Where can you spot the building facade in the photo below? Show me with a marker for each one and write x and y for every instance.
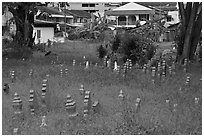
(130, 14)
(53, 15)
(43, 31)
(91, 7)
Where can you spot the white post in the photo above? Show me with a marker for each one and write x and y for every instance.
(126, 20)
(137, 17)
(116, 20)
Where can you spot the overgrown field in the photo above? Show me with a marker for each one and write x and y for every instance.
(154, 116)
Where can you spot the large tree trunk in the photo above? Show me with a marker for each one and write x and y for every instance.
(182, 31)
(188, 13)
(196, 36)
(24, 30)
(188, 39)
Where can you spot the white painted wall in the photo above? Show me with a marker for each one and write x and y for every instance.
(175, 16)
(46, 33)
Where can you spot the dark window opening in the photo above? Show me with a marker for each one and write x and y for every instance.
(85, 5)
(88, 5)
(92, 5)
(169, 19)
(144, 17)
(38, 34)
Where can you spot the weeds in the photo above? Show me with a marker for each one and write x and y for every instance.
(154, 116)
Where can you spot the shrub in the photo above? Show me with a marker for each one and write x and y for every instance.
(134, 47)
(101, 52)
(11, 49)
(116, 43)
(73, 36)
(59, 34)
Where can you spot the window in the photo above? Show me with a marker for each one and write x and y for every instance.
(85, 20)
(144, 17)
(81, 20)
(92, 5)
(169, 19)
(57, 20)
(85, 5)
(38, 34)
(78, 20)
(107, 4)
(88, 5)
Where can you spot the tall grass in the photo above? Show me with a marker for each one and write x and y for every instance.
(153, 117)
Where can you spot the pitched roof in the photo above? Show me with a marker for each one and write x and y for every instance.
(41, 23)
(78, 13)
(156, 4)
(131, 6)
(166, 6)
(51, 11)
(130, 9)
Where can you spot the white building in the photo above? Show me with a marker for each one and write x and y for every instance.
(43, 31)
(91, 7)
(173, 18)
(130, 14)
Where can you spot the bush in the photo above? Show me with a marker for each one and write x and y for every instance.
(116, 43)
(134, 47)
(73, 36)
(11, 49)
(101, 52)
(59, 34)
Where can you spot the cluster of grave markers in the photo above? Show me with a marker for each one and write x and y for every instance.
(127, 66)
(160, 72)
(123, 70)
(122, 98)
(70, 105)
(89, 106)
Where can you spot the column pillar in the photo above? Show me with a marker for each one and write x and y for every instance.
(137, 17)
(126, 20)
(116, 20)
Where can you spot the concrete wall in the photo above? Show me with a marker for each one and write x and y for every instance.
(46, 33)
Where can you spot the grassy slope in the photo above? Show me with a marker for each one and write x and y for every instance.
(105, 85)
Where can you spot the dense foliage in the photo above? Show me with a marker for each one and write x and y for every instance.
(101, 52)
(131, 46)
